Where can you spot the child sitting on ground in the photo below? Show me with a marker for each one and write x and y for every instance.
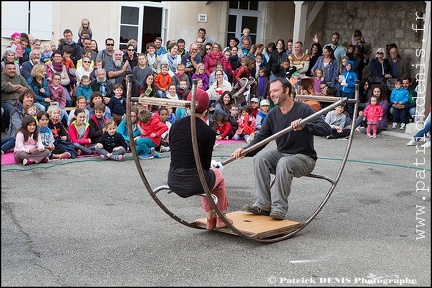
(96, 123)
(223, 128)
(336, 119)
(246, 125)
(79, 133)
(28, 144)
(112, 144)
(45, 133)
(163, 116)
(151, 132)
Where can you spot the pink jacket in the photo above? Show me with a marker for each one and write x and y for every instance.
(372, 113)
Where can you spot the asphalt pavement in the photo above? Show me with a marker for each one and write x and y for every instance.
(84, 222)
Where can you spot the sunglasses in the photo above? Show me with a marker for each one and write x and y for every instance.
(86, 61)
(208, 48)
(131, 50)
(109, 44)
(381, 53)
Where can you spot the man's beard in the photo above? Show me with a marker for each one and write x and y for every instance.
(117, 63)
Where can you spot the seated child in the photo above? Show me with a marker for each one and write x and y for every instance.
(246, 125)
(223, 128)
(81, 102)
(336, 119)
(163, 116)
(117, 104)
(112, 144)
(123, 128)
(151, 132)
(96, 123)
(79, 133)
(45, 133)
(63, 148)
(262, 113)
(28, 144)
(84, 88)
(233, 117)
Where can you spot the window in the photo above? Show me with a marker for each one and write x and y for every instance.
(242, 14)
(24, 21)
(142, 23)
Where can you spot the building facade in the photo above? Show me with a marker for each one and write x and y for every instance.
(406, 23)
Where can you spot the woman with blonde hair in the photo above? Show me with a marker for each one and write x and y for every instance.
(39, 84)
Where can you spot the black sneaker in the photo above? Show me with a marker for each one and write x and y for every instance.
(256, 210)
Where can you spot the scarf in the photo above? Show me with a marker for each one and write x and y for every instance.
(171, 64)
(58, 66)
(216, 56)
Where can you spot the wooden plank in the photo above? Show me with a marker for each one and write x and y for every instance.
(251, 224)
(161, 101)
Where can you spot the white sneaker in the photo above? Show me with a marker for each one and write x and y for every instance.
(250, 138)
(426, 145)
(411, 142)
(164, 149)
(394, 126)
(402, 126)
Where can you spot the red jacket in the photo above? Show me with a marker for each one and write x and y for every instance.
(73, 134)
(154, 126)
(225, 130)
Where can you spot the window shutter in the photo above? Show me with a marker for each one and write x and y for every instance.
(16, 19)
(41, 20)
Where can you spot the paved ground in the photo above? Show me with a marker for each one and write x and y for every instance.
(88, 223)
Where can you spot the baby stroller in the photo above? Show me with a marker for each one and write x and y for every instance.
(241, 90)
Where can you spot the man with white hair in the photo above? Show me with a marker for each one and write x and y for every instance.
(34, 58)
(101, 84)
(117, 67)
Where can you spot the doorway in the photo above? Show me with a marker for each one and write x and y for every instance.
(142, 23)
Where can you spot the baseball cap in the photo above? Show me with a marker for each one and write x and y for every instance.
(254, 100)
(265, 102)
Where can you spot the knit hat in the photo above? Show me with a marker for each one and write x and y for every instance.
(202, 98)
(15, 34)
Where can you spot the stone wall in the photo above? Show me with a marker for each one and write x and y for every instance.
(381, 23)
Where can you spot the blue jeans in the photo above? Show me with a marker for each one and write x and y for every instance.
(420, 134)
(399, 115)
(7, 107)
(7, 143)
